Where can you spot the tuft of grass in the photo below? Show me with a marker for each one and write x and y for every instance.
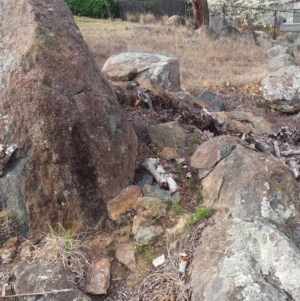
(147, 18)
(201, 213)
(177, 207)
(8, 224)
(179, 171)
(149, 254)
(139, 248)
(61, 247)
(111, 251)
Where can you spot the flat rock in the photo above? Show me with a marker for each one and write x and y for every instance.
(281, 90)
(127, 199)
(235, 126)
(282, 60)
(125, 255)
(154, 206)
(98, 279)
(155, 72)
(163, 195)
(259, 124)
(44, 276)
(210, 97)
(66, 146)
(168, 134)
(148, 235)
(279, 50)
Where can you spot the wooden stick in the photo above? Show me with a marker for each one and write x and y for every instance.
(276, 148)
(41, 293)
(161, 176)
(294, 167)
(290, 152)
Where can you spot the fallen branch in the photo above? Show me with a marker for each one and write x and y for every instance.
(294, 168)
(41, 293)
(160, 175)
(290, 152)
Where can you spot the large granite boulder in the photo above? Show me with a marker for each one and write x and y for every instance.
(65, 146)
(155, 72)
(252, 250)
(281, 89)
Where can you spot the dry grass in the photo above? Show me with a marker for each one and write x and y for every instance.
(203, 62)
(65, 249)
(7, 224)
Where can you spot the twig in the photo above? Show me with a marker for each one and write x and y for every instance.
(41, 293)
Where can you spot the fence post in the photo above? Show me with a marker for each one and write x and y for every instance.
(224, 14)
(274, 28)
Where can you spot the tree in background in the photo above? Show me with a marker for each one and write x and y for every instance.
(201, 12)
(93, 8)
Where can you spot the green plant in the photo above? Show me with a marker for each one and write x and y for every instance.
(199, 194)
(65, 235)
(177, 207)
(195, 139)
(139, 248)
(201, 213)
(179, 171)
(149, 254)
(111, 251)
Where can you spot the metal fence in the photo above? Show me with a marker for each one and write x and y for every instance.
(157, 7)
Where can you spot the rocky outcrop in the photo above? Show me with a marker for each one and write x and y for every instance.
(155, 72)
(252, 250)
(65, 146)
(281, 90)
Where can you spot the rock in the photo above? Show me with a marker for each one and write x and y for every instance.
(229, 31)
(207, 31)
(127, 199)
(66, 146)
(291, 37)
(279, 50)
(9, 249)
(125, 255)
(44, 276)
(281, 61)
(159, 260)
(148, 235)
(249, 36)
(168, 153)
(257, 225)
(234, 125)
(163, 195)
(147, 179)
(168, 134)
(189, 99)
(209, 97)
(155, 207)
(281, 90)
(138, 221)
(98, 279)
(155, 72)
(175, 21)
(259, 124)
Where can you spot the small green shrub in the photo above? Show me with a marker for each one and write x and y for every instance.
(149, 254)
(177, 207)
(111, 251)
(139, 248)
(201, 213)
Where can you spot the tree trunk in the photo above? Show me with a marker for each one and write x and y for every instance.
(201, 13)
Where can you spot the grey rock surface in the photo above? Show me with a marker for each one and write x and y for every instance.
(168, 134)
(155, 72)
(163, 195)
(281, 89)
(44, 276)
(210, 97)
(252, 250)
(148, 235)
(282, 60)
